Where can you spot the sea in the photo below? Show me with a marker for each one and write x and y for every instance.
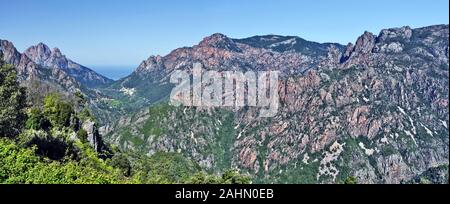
(114, 72)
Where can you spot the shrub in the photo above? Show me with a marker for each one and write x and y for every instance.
(21, 165)
(350, 180)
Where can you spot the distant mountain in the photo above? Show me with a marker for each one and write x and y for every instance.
(43, 56)
(290, 43)
(376, 110)
(43, 71)
(29, 71)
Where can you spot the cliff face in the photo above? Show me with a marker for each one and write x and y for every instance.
(376, 110)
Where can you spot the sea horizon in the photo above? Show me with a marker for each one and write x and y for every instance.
(114, 72)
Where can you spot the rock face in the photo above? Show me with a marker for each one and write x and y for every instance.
(93, 136)
(376, 110)
(43, 56)
(220, 41)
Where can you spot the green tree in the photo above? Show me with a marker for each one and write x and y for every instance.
(351, 180)
(233, 177)
(12, 101)
(80, 98)
(121, 162)
(21, 165)
(82, 135)
(86, 114)
(203, 178)
(37, 121)
(58, 111)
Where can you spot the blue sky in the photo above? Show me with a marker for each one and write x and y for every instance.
(102, 33)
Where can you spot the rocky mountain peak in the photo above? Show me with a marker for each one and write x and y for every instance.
(152, 63)
(365, 43)
(363, 46)
(43, 56)
(25, 67)
(57, 53)
(6, 47)
(28, 69)
(38, 53)
(219, 41)
(10, 54)
(43, 47)
(213, 39)
(403, 33)
(348, 51)
(5, 44)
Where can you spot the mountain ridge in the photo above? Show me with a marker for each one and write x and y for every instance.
(42, 55)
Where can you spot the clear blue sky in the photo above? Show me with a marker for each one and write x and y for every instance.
(123, 33)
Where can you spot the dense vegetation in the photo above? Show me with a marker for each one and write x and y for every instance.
(12, 101)
(45, 142)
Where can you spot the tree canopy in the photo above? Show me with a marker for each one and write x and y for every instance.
(12, 101)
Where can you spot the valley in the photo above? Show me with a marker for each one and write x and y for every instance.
(375, 111)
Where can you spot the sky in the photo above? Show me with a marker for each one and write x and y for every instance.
(122, 33)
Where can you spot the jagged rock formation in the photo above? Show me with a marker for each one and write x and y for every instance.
(29, 71)
(93, 136)
(43, 56)
(39, 63)
(376, 110)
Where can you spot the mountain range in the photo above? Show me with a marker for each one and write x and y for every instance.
(376, 110)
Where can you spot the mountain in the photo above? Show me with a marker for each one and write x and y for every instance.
(149, 84)
(376, 110)
(51, 66)
(29, 71)
(43, 56)
(44, 71)
(289, 43)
